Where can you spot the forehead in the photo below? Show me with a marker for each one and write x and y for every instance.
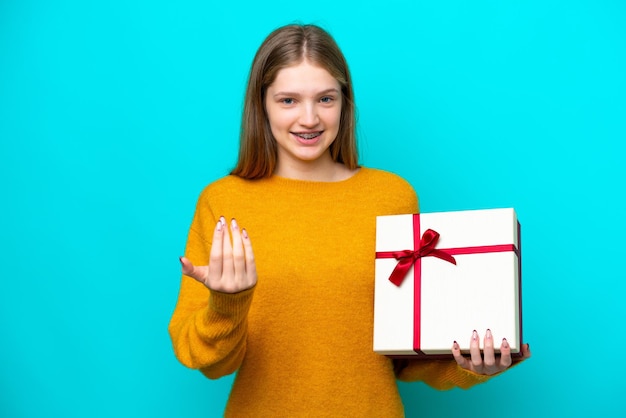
(304, 76)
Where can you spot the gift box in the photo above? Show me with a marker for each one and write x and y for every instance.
(439, 276)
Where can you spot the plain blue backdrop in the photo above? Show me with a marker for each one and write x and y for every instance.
(115, 114)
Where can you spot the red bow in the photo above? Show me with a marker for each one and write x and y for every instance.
(406, 258)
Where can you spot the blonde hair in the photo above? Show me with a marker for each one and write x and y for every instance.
(286, 46)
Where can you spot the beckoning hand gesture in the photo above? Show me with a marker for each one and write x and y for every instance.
(231, 268)
(490, 364)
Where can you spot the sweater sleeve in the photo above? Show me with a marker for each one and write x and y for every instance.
(439, 374)
(208, 329)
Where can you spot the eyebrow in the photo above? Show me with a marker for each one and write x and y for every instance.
(293, 94)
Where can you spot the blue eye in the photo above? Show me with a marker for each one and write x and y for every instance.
(326, 99)
(287, 101)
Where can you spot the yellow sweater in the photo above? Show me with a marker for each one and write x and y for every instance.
(301, 339)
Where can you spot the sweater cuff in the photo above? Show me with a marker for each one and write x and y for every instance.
(469, 378)
(231, 304)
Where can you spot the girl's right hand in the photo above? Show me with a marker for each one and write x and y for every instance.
(231, 268)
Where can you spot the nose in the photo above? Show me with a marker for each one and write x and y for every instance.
(309, 116)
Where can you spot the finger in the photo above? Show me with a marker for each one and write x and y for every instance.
(216, 258)
(186, 266)
(477, 360)
(488, 351)
(460, 360)
(227, 253)
(249, 254)
(505, 354)
(239, 262)
(524, 354)
(195, 272)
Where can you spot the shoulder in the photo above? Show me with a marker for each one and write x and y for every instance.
(219, 198)
(224, 189)
(229, 186)
(223, 184)
(390, 186)
(387, 179)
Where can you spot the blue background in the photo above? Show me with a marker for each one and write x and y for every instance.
(115, 114)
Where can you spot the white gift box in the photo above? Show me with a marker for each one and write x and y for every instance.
(435, 302)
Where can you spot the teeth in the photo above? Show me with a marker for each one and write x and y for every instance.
(308, 136)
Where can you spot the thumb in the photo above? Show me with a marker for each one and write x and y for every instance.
(197, 273)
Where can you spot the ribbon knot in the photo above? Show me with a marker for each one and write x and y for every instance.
(406, 258)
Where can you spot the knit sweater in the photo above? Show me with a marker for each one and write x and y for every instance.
(301, 338)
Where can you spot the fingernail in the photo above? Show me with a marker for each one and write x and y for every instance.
(233, 223)
(244, 233)
(488, 333)
(505, 343)
(219, 224)
(181, 260)
(455, 345)
(474, 335)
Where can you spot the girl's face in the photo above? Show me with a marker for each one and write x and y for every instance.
(303, 107)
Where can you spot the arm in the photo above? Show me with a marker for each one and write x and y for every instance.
(209, 325)
(461, 371)
(439, 374)
(211, 335)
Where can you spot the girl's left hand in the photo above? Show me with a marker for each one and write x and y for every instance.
(490, 364)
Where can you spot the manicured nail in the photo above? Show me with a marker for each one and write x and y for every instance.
(181, 260)
(455, 345)
(233, 223)
(244, 233)
(505, 343)
(488, 333)
(474, 335)
(219, 224)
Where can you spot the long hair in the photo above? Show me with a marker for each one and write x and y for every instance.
(284, 47)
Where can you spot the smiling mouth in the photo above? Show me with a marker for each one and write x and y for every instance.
(308, 136)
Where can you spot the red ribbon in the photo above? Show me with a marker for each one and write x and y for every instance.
(406, 258)
(425, 247)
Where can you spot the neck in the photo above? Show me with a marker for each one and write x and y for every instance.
(325, 170)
